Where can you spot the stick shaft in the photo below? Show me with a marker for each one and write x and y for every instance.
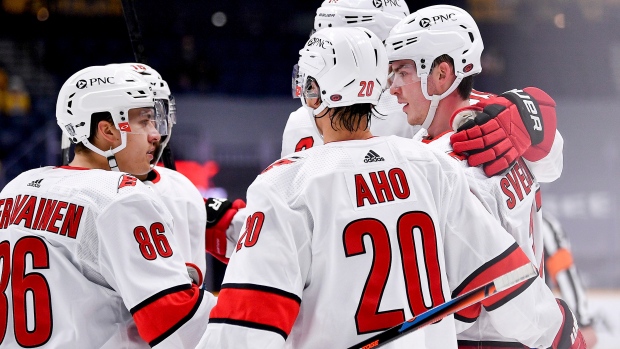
(452, 306)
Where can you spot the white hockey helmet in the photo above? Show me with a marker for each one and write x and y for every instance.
(349, 66)
(113, 89)
(377, 15)
(434, 31)
(164, 101)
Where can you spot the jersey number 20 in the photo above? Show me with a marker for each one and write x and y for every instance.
(368, 318)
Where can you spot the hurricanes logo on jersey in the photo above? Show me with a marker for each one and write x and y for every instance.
(281, 162)
(126, 181)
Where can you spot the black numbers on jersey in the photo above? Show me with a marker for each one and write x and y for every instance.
(368, 318)
(253, 227)
(32, 304)
(152, 242)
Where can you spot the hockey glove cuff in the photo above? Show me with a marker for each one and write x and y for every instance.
(569, 336)
(220, 213)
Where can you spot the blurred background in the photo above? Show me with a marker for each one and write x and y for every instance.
(229, 65)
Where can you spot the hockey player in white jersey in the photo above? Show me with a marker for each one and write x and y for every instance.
(300, 131)
(434, 54)
(350, 238)
(178, 193)
(90, 259)
(200, 224)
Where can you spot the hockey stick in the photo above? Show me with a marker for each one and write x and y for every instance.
(135, 37)
(452, 306)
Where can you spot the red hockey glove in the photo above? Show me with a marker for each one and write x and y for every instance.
(220, 213)
(500, 129)
(569, 336)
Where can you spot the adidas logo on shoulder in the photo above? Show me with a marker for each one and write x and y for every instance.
(373, 157)
(36, 183)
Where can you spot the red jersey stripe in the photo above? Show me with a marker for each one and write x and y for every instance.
(511, 259)
(259, 307)
(165, 314)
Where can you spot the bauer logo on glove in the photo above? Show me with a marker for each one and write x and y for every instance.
(496, 131)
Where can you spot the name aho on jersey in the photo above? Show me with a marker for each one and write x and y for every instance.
(382, 186)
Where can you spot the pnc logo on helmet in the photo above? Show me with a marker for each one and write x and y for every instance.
(381, 3)
(319, 42)
(82, 84)
(425, 22)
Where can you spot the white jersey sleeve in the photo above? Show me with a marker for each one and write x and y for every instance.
(300, 132)
(187, 207)
(109, 272)
(383, 228)
(549, 168)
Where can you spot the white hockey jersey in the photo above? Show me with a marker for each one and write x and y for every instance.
(301, 132)
(514, 199)
(187, 207)
(89, 261)
(348, 239)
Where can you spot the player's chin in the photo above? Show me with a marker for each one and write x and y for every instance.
(143, 167)
(405, 107)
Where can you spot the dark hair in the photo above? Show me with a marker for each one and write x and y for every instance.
(350, 117)
(95, 118)
(466, 85)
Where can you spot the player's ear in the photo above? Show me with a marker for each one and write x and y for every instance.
(443, 69)
(443, 76)
(108, 132)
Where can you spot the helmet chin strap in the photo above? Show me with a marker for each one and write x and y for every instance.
(319, 109)
(109, 154)
(430, 116)
(314, 113)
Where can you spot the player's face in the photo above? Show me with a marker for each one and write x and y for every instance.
(311, 93)
(142, 142)
(406, 86)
